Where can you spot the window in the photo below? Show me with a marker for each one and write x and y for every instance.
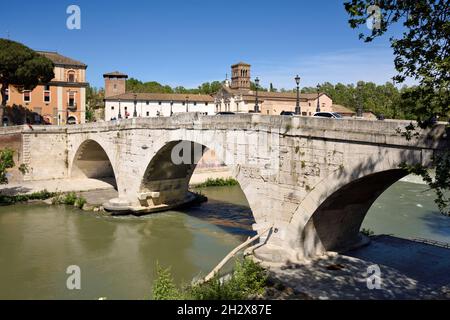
(159, 102)
(27, 96)
(71, 76)
(146, 102)
(206, 103)
(47, 93)
(184, 103)
(7, 94)
(195, 103)
(112, 108)
(304, 113)
(148, 114)
(71, 99)
(126, 108)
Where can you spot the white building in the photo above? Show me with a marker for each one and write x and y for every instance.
(122, 104)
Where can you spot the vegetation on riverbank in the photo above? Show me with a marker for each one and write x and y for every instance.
(69, 199)
(218, 182)
(247, 281)
(40, 195)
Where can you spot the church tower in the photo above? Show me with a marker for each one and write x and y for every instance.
(240, 76)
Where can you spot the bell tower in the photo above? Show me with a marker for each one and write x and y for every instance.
(240, 76)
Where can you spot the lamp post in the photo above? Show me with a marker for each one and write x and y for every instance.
(120, 114)
(171, 106)
(187, 103)
(318, 98)
(256, 96)
(135, 104)
(359, 110)
(298, 110)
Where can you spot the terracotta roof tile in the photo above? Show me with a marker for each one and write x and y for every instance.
(60, 60)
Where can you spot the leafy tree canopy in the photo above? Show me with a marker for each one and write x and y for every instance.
(22, 67)
(423, 54)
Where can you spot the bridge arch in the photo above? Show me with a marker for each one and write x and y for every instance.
(163, 181)
(92, 161)
(330, 218)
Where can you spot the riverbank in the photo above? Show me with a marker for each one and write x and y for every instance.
(408, 270)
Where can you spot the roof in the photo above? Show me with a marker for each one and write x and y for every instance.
(240, 64)
(341, 109)
(60, 60)
(115, 74)
(163, 97)
(272, 95)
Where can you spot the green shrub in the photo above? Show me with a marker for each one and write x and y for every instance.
(248, 279)
(218, 182)
(40, 195)
(367, 232)
(80, 202)
(164, 287)
(70, 199)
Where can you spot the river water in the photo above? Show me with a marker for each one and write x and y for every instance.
(118, 255)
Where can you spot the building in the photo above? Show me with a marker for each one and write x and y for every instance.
(122, 104)
(238, 96)
(61, 101)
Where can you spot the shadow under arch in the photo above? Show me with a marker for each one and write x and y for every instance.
(337, 221)
(166, 180)
(92, 162)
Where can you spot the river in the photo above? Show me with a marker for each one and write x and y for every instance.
(118, 255)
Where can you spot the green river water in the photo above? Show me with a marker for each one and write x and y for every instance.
(118, 255)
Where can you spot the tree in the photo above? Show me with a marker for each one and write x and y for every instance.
(423, 54)
(21, 67)
(94, 100)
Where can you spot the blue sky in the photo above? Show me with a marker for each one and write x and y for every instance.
(193, 41)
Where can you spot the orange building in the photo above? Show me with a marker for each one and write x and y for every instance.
(61, 101)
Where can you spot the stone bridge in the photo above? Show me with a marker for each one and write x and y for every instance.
(312, 179)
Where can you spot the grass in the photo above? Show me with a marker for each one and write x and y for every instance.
(40, 195)
(248, 280)
(218, 182)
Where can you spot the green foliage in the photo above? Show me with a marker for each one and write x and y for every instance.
(218, 182)
(422, 53)
(247, 280)
(22, 67)
(383, 99)
(163, 286)
(69, 199)
(134, 85)
(367, 232)
(80, 202)
(94, 100)
(40, 195)
(6, 162)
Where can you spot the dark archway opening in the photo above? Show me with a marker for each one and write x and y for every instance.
(168, 182)
(92, 162)
(338, 219)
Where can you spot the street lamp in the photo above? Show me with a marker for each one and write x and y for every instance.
(187, 103)
(171, 106)
(359, 110)
(318, 98)
(135, 104)
(120, 114)
(298, 110)
(256, 97)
